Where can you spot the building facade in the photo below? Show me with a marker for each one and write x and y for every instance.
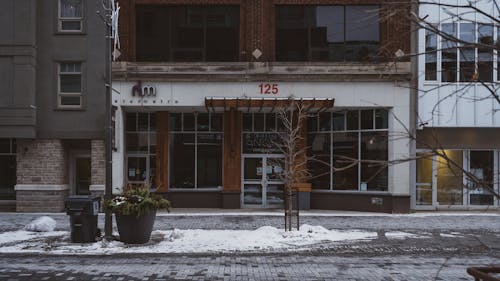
(458, 114)
(199, 83)
(51, 102)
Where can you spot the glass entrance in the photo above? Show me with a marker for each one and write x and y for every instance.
(262, 182)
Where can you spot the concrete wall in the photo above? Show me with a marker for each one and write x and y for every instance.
(87, 47)
(17, 68)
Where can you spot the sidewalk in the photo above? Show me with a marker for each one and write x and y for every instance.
(253, 232)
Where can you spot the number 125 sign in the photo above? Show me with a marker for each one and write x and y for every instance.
(268, 89)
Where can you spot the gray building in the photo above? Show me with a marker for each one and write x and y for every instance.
(52, 99)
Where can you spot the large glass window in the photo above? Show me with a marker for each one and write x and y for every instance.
(187, 33)
(349, 150)
(327, 33)
(140, 143)
(7, 169)
(449, 53)
(450, 178)
(196, 142)
(481, 181)
(260, 133)
(430, 55)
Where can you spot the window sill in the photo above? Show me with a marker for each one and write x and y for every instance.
(69, 109)
(351, 192)
(195, 189)
(80, 33)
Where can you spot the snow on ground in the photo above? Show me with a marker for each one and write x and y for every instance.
(41, 224)
(405, 235)
(22, 235)
(266, 238)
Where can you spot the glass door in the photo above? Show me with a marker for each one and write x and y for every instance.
(262, 183)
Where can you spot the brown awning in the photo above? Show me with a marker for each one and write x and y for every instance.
(267, 104)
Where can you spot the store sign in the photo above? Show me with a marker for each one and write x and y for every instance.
(261, 143)
(143, 91)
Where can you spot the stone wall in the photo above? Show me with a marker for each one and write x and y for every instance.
(41, 162)
(98, 162)
(42, 179)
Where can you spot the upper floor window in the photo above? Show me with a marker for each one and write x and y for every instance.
(70, 85)
(187, 33)
(466, 53)
(327, 33)
(70, 15)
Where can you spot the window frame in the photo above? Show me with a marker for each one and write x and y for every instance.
(61, 19)
(360, 132)
(61, 94)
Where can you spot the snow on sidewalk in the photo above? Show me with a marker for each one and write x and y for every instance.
(266, 238)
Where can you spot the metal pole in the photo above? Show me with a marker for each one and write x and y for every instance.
(108, 218)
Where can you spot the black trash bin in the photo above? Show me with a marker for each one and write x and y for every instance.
(83, 211)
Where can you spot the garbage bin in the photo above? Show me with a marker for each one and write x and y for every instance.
(83, 211)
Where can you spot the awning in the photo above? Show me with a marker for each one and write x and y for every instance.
(267, 104)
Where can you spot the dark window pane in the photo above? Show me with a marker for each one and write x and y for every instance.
(175, 121)
(381, 119)
(367, 119)
(182, 153)
(71, 8)
(292, 35)
(137, 142)
(216, 122)
(73, 25)
(222, 33)
(188, 124)
(258, 122)
(362, 28)
(319, 163)
(4, 145)
(270, 122)
(143, 121)
(325, 121)
(352, 120)
(449, 53)
(430, 55)
(467, 54)
(374, 175)
(136, 169)
(312, 123)
(338, 121)
(209, 160)
(485, 54)
(153, 33)
(71, 100)
(203, 122)
(345, 155)
(152, 122)
(247, 122)
(152, 142)
(7, 177)
(327, 34)
(70, 83)
(131, 122)
(481, 167)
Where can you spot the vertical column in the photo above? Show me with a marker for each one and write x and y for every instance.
(162, 151)
(232, 159)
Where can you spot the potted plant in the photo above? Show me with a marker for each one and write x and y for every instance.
(135, 212)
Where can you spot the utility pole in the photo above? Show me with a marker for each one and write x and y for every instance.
(108, 191)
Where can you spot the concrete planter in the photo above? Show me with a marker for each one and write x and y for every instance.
(134, 229)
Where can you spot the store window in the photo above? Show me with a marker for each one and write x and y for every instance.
(327, 33)
(140, 137)
(7, 169)
(70, 15)
(349, 150)
(196, 142)
(461, 177)
(187, 33)
(70, 85)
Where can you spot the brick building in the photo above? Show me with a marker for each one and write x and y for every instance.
(198, 85)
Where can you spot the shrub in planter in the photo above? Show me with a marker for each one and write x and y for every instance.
(135, 212)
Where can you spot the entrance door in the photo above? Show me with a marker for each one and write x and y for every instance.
(82, 175)
(262, 184)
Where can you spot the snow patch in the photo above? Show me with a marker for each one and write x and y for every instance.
(400, 235)
(41, 224)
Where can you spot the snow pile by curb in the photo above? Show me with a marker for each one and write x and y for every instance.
(41, 224)
(264, 239)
